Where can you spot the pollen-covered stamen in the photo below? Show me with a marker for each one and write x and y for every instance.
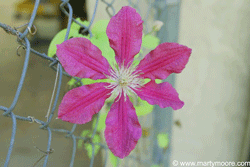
(125, 79)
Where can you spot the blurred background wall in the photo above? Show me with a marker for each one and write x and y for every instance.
(214, 86)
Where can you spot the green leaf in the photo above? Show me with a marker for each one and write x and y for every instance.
(163, 140)
(138, 58)
(113, 159)
(84, 134)
(60, 36)
(142, 107)
(147, 80)
(158, 81)
(99, 28)
(101, 40)
(76, 26)
(71, 82)
(101, 122)
(87, 146)
(150, 41)
(136, 62)
(58, 39)
(103, 44)
(87, 81)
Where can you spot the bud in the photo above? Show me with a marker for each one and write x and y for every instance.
(157, 25)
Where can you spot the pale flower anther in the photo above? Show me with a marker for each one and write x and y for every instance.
(125, 80)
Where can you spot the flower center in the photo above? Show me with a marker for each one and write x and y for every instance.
(125, 80)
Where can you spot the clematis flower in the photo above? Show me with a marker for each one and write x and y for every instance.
(80, 58)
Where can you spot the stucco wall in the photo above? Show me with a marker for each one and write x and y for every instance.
(215, 83)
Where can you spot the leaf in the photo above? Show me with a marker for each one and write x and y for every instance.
(143, 108)
(150, 41)
(60, 36)
(101, 122)
(138, 58)
(87, 81)
(99, 28)
(58, 39)
(76, 26)
(101, 40)
(113, 159)
(162, 139)
(87, 146)
(158, 81)
(71, 82)
(84, 134)
(103, 44)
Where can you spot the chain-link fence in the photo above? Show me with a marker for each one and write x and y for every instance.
(152, 7)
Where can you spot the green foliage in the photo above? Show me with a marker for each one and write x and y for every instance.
(101, 40)
(71, 82)
(113, 159)
(136, 60)
(150, 41)
(60, 36)
(143, 108)
(158, 81)
(162, 139)
(87, 81)
(101, 122)
(87, 146)
(77, 26)
(103, 44)
(99, 28)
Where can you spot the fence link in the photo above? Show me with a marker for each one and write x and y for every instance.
(24, 42)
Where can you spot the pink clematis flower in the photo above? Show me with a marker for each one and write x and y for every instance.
(81, 58)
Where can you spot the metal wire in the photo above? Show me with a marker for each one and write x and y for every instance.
(23, 40)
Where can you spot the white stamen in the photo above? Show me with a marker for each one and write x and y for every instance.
(125, 80)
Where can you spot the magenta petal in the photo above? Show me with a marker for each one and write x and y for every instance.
(125, 34)
(162, 94)
(80, 58)
(80, 104)
(165, 59)
(123, 129)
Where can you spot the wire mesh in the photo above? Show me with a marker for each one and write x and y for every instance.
(55, 64)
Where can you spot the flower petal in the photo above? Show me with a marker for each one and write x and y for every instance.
(122, 128)
(80, 104)
(165, 59)
(80, 58)
(162, 94)
(125, 34)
